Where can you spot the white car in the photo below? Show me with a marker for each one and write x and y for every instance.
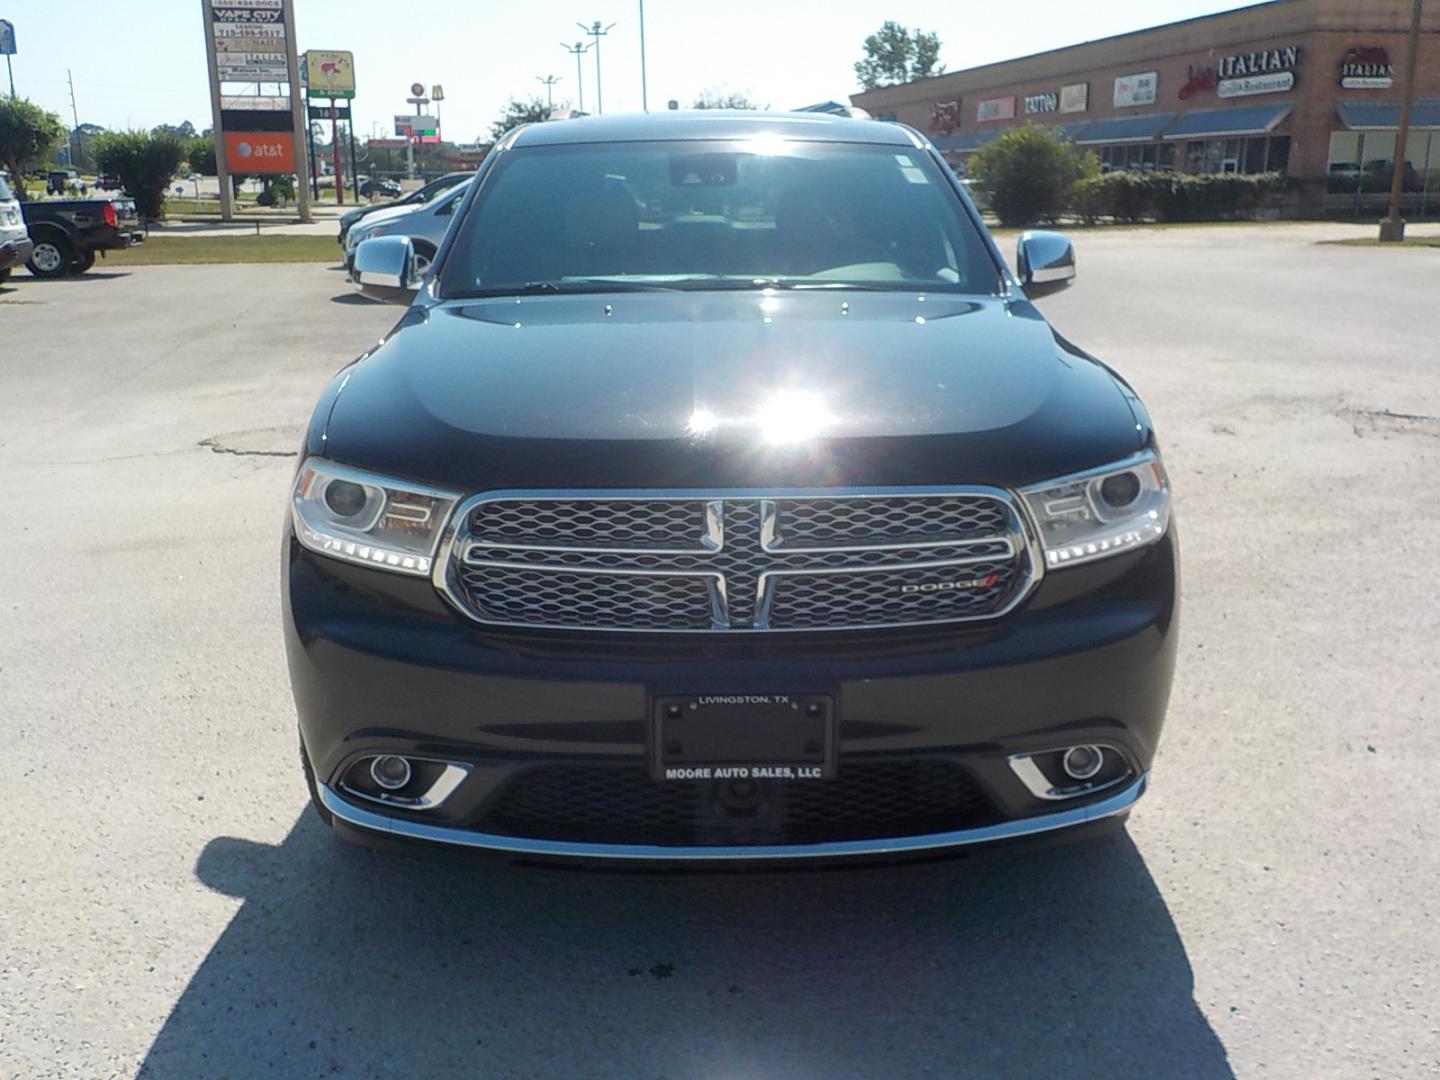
(425, 225)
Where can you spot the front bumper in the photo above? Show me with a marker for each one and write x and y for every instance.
(15, 252)
(380, 664)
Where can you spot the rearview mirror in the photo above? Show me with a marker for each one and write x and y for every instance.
(1045, 261)
(385, 269)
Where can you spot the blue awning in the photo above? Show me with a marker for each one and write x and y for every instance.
(1125, 129)
(1380, 115)
(1072, 130)
(963, 142)
(1240, 120)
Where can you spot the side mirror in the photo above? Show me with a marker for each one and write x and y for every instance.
(1045, 261)
(385, 269)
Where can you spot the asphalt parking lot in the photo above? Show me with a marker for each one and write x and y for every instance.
(170, 909)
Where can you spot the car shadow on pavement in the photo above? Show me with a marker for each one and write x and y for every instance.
(71, 279)
(344, 962)
(354, 298)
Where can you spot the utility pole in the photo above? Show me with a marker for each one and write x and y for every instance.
(578, 50)
(644, 93)
(1392, 229)
(595, 32)
(74, 115)
(549, 81)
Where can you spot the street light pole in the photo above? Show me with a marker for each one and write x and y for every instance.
(644, 93)
(549, 81)
(578, 50)
(597, 33)
(1392, 229)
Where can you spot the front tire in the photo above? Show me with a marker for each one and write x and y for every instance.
(52, 258)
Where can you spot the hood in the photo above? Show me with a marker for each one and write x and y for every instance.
(728, 390)
(386, 213)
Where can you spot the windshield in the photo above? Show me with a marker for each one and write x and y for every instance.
(5, 194)
(701, 215)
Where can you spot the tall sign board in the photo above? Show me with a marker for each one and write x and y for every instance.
(253, 42)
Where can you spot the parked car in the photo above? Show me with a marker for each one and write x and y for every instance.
(723, 495)
(15, 245)
(419, 197)
(62, 181)
(424, 225)
(380, 187)
(69, 233)
(110, 183)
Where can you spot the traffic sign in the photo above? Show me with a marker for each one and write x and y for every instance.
(7, 38)
(417, 89)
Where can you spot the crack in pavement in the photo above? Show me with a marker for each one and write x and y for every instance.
(215, 448)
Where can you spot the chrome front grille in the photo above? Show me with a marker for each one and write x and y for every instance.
(738, 561)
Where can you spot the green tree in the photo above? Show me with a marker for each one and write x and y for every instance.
(183, 131)
(717, 98)
(895, 55)
(517, 112)
(144, 163)
(27, 135)
(1030, 173)
(83, 141)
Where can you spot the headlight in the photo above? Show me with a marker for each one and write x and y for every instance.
(363, 518)
(1101, 512)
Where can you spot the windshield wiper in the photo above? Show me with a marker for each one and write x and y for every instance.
(569, 286)
(748, 284)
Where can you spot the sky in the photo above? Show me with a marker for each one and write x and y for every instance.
(150, 68)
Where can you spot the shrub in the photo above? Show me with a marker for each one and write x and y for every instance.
(143, 162)
(1029, 174)
(1135, 196)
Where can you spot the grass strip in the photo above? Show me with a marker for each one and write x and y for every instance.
(182, 250)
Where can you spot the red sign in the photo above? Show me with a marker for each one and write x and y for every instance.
(944, 116)
(1201, 78)
(260, 152)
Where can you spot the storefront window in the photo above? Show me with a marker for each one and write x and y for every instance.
(1139, 157)
(1256, 154)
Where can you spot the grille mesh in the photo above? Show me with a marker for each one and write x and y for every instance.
(831, 522)
(620, 563)
(621, 804)
(625, 523)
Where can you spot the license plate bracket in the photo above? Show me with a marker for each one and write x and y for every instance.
(743, 737)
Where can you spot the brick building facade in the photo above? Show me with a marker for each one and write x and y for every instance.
(1310, 88)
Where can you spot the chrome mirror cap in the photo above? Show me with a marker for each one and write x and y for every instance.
(385, 269)
(1045, 259)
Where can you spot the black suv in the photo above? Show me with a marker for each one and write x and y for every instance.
(721, 495)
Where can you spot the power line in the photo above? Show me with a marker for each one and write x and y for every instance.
(595, 32)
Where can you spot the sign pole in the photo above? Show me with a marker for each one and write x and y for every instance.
(11, 72)
(310, 143)
(298, 107)
(354, 171)
(222, 166)
(1392, 229)
(335, 155)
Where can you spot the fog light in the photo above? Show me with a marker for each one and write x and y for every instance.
(390, 772)
(1082, 762)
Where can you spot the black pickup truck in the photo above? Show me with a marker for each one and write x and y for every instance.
(68, 232)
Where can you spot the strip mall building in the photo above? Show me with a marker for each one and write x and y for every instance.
(1310, 88)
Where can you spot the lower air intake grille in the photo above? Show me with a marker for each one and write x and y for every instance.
(623, 805)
